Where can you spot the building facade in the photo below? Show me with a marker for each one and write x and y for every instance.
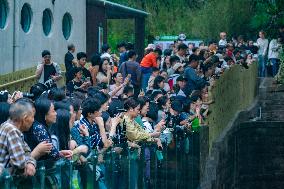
(29, 26)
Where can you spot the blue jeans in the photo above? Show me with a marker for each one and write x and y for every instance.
(275, 66)
(261, 66)
(145, 79)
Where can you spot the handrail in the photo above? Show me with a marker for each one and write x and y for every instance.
(18, 81)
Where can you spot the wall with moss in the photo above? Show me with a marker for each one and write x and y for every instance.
(234, 91)
(21, 80)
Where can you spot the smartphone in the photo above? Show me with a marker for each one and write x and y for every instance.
(88, 79)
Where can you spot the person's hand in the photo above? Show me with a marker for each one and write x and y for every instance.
(29, 169)
(116, 120)
(133, 145)
(159, 143)
(43, 148)
(108, 143)
(126, 81)
(83, 130)
(160, 126)
(84, 85)
(141, 93)
(66, 153)
(118, 150)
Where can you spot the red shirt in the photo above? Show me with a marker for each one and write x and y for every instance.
(150, 60)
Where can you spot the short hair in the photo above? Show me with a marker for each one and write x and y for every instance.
(130, 103)
(105, 47)
(81, 55)
(162, 101)
(142, 100)
(102, 97)
(174, 58)
(19, 109)
(182, 46)
(56, 94)
(131, 53)
(121, 44)
(96, 59)
(192, 58)
(90, 105)
(45, 52)
(168, 52)
(42, 106)
(159, 51)
(128, 89)
(70, 46)
(158, 80)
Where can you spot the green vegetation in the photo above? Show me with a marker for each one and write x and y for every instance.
(201, 18)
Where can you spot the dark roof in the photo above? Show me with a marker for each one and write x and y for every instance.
(116, 11)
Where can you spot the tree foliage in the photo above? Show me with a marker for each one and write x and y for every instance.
(202, 18)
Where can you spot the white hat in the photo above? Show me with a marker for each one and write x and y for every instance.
(150, 46)
(177, 66)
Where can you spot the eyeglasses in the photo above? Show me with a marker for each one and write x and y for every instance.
(47, 56)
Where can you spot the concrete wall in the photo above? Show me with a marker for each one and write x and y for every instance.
(30, 45)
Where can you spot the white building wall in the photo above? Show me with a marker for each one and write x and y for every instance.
(31, 44)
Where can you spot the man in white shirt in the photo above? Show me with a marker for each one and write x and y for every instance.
(273, 54)
(223, 41)
(262, 45)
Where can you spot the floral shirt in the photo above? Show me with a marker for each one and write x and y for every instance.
(37, 134)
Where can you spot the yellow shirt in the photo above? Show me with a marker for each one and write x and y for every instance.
(134, 132)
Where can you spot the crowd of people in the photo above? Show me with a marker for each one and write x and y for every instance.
(117, 102)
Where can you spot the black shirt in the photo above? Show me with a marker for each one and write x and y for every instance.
(74, 86)
(68, 61)
(49, 70)
(86, 73)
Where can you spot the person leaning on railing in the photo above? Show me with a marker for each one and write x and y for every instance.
(14, 151)
(134, 132)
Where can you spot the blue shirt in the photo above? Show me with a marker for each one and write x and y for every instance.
(194, 81)
(93, 140)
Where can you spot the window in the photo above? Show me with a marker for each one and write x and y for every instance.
(67, 25)
(26, 17)
(3, 13)
(47, 20)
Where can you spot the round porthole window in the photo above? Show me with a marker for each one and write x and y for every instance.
(47, 20)
(67, 25)
(26, 17)
(3, 13)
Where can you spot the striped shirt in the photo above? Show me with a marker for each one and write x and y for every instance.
(93, 140)
(14, 151)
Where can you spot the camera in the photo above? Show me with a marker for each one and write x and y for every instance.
(28, 95)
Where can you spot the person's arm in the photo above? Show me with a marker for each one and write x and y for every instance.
(81, 136)
(200, 83)
(265, 47)
(94, 72)
(41, 135)
(58, 75)
(100, 122)
(39, 70)
(18, 151)
(153, 60)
